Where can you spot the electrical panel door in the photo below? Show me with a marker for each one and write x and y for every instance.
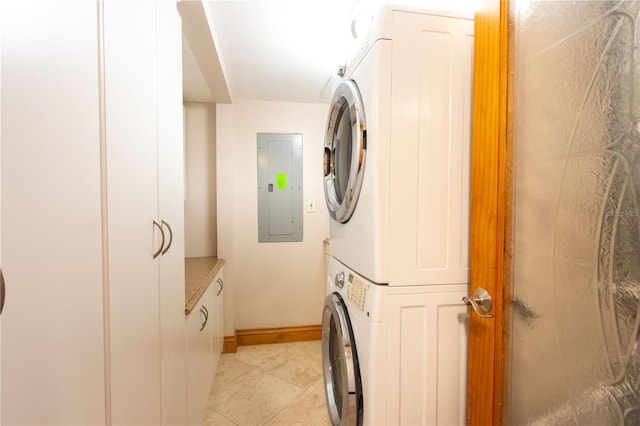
(279, 187)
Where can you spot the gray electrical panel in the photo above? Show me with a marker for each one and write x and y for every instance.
(279, 187)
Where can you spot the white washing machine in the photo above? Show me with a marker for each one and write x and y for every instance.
(393, 355)
(397, 150)
(354, 348)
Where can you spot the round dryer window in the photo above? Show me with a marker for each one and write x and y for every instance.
(345, 146)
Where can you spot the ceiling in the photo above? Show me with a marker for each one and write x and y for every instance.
(274, 50)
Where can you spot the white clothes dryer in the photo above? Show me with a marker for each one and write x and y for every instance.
(397, 150)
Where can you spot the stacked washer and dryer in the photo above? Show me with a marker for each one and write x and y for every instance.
(396, 174)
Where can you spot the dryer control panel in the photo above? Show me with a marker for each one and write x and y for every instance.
(358, 292)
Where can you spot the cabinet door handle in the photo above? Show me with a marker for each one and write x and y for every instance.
(164, 222)
(205, 312)
(221, 284)
(157, 252)
(2, 291)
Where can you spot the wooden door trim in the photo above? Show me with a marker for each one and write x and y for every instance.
(490, 210)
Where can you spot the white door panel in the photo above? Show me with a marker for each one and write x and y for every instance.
(52, 330)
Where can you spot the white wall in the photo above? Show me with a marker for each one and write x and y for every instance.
(268, 284)
(200, 180)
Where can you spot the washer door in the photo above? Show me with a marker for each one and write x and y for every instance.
(345, 145)
(342, 383)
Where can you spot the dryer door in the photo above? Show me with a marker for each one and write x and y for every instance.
(345, 145)
(342, 383)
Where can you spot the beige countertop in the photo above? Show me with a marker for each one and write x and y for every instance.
(198, 271)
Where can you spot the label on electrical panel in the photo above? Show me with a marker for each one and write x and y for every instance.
(281, 181)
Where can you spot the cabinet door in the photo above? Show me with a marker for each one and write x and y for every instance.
(52, 325)
(431, 133)
(1, 14)
(218, 317)
(171, 211)
(199, 350)
(427, 359)
(132, 200)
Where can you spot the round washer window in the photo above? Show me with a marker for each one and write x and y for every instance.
(341, 371)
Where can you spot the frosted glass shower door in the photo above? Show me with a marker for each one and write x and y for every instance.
(576, 226)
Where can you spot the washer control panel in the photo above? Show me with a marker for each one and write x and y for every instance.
(357, 293)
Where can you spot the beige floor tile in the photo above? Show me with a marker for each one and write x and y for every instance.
(213, 418)
(230, 369)
(254, 398)
(278, 384)
(263, 356)
(270, 356)
(317, 387)
(309, 409)
(300, 369)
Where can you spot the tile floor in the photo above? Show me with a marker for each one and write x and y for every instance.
(279, 384)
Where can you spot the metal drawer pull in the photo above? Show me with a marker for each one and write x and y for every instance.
(164, 222)
(205, 312)
(2, 291)
(157, 252)
(221, 284)
(480, 301)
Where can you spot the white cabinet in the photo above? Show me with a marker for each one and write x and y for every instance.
(432, 67)
(204, 346)
(199, 359)
(53, 364)
(144, 183)
(93, 330)
(218, 317)
(132, 205)
(427, 356)
(171, 210)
